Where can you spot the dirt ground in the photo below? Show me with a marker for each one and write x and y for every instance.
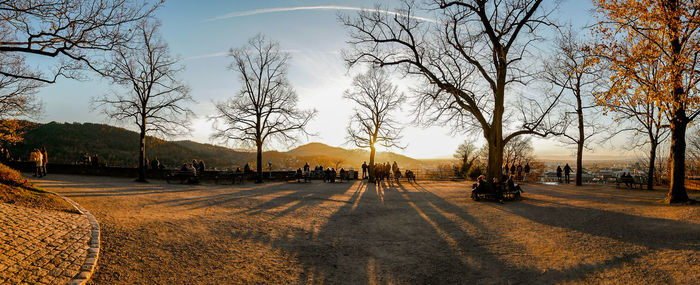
(357, 233)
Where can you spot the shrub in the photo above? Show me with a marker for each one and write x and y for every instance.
(11, 177)
(475, 172)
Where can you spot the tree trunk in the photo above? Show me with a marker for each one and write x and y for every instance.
(371, 164)
(259, 178)
(679, 121)
(142, 153)
(677, 192)
(494, 168)
(652, 162)
(581, 140)
(579, 164)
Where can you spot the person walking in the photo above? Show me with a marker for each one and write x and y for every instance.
(559, 173)
(567, 171)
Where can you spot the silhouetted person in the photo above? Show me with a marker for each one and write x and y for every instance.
(96, 160)
(559, 173)
(155, 164)
(342, 174)
(519, 171)
(512, 169)
(510, 183)
(527, 171)
(238, 170)
(201, 166)
(246, 168)
(567, 171)
(44, 160)
(307, 170)
(364, 170)
(298, 175)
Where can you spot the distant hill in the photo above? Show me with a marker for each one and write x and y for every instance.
(67, 142)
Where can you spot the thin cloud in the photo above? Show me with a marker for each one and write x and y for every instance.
(208, 55)
(320, 7)
(226, 53)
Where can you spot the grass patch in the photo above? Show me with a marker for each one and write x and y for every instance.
(18, 190)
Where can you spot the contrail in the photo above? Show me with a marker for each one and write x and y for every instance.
(321, 7)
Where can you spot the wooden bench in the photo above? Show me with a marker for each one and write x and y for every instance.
(631, 182)
(506, 194)
(227, 175)
(183, 176)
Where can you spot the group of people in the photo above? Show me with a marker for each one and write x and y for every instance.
(329, 174)
(93, 160)
(496, 186)
(40, 158)
(381, 171)
(5, 155)
(521, 173)
(197, 168)
(567, 172)
(155, 164)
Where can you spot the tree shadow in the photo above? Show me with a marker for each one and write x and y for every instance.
(653, 233)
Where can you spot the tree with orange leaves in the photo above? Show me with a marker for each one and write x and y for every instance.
(636, 35)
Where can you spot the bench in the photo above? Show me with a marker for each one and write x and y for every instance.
(226, 176)
(182, 176)
(506, 194)
(631, 182)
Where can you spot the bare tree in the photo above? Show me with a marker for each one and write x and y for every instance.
(518, 150)
(648, 126)
(75, 32)
(467, 155)
(472, 60)
(376, 98)
(265, 108)
(156, 100)
(570, 69)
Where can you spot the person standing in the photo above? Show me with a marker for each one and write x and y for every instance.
(44, 160)
(35, 156)
(364, 170)
(567, 171)
(519, 170)
(155, 164)
(559, 173)
(527, 171)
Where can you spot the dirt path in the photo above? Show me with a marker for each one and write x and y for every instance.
(352, 233)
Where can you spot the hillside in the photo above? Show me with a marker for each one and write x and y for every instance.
(67, 142)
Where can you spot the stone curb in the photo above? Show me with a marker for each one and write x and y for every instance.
(93, 251)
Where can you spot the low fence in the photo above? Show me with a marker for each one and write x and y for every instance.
(130, 172)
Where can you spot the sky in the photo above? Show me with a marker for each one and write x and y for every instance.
(201, 33)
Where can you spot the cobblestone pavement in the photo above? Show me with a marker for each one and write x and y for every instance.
(41, 247)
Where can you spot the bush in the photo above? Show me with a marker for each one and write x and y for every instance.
(11, 177)
(475, 172)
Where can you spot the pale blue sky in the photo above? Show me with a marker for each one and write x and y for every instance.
(314, 39)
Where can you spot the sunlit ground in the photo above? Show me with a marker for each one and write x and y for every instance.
(354, 233)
